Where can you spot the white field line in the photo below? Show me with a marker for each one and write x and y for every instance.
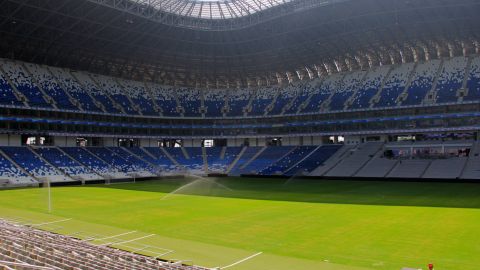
(151, 249)
(113, 236)
(163, 254)
(127, 241)
(51, 222)
(241, 261)
(19, 220)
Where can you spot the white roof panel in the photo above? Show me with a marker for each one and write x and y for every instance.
(211, 9)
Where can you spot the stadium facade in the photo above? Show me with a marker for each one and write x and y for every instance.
(98, 90)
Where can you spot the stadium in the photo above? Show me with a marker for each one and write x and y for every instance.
(240, 134)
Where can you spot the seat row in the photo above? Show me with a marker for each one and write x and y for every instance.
(22, 165)
(439, 81)
(23, 247)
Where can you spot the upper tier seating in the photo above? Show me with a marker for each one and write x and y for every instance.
(348, 87)
(451, 79)
(24, 84)
(75, 90)
(33, 164)
(406, 85)
(263, 97)
(395, 85)
(116, 92)
(190, 101)
(369, 87)
(139, 96)
(422, 82)
(322, 92)
(165, 98)
(7, 94)
(285, 96)
(14, 175)
(95, 91)
(302, 93)
(66, 164)
(50, 86)
(473, 81)
(215, 101)
(238, 99)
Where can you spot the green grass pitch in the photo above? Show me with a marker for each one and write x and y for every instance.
(305, 224)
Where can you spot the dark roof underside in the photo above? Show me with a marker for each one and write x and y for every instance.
(85, 35)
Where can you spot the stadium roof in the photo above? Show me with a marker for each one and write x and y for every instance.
(208, 9)
(289, 41)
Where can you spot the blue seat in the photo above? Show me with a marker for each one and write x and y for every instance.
(422, 82)
(451, 79)
(317, 158)
(269, 156)
(292, 158)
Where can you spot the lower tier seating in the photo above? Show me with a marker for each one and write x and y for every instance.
(21, 165)
(34, 165)
(23, 247)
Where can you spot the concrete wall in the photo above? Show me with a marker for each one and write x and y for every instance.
(3, 139)
(235, 142)
(317, 140)
(307, 140)
(188, 143)
(10, 140)
(197, 143)
(109, 142)
(293, 141)
(148, 143)
(257, 141)
(351, 140)
(63, 141)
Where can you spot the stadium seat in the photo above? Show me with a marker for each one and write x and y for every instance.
(215, 101)
(116, 92)
(24, 84)
(394, 85)
(75, 89)
(422, 82)
(369, 88)
(66, 164)
(450, 79)
(51, 87)
(34, 165)
(473, 81)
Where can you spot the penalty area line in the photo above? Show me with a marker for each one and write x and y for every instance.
(128, 241)
(51, 222)
(240, 261)
(113, 236)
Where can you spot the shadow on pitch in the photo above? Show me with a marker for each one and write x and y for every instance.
(455, 195)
